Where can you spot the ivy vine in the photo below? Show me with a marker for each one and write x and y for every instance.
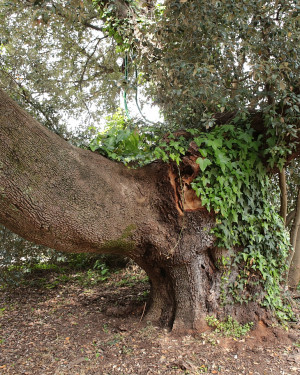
(234, 184)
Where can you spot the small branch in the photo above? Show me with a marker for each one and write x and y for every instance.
(283, 195)
(270, 98)
(87, 62)
(91, 26)
(143, 313)
(278, 13)
(290, 217)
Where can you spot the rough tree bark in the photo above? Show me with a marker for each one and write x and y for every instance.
(71, 200)
(283, 195)
(294, 271)
(294, 257)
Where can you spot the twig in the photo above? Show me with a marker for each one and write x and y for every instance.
(143, 313)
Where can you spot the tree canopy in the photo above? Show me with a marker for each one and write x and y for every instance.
(194, 58)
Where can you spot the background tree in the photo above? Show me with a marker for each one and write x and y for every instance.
(15, 250)
(64, 68)
(199, 221)
(290, 211)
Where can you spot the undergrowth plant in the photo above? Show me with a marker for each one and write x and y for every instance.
(229, 327)
(233, 183)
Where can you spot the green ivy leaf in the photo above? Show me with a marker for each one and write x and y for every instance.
(203, 163)
(221, 159)
(214, 143)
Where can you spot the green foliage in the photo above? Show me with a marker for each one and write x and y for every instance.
(117, 22)
(63, 70)
(18, 256)
(50, 276)
(94, 277)
(233, 183)
(171, 149)
(197, 58)
(20, 260)
(124, 141)
(132, 279)
(219, 56)
(229, 327)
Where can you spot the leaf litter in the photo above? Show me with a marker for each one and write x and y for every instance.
(75, 329)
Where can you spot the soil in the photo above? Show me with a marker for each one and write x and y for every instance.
(71, 324)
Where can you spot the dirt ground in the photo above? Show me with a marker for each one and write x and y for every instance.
(65, 325)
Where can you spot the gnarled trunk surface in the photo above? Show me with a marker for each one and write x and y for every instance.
(294, 271)
(74, 200)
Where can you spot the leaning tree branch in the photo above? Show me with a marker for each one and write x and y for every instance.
(71, 199)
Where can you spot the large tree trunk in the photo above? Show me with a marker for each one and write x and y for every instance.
(74, 200)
